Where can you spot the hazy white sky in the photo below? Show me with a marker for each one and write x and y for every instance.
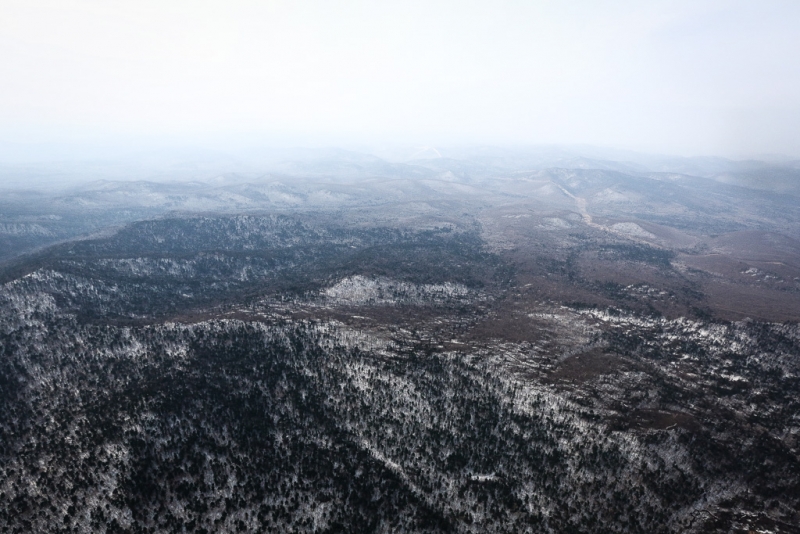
(693, 77)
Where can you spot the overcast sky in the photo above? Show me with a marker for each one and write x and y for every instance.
(695, 77)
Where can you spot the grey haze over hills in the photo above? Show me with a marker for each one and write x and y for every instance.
(42, 168)
(46, 201)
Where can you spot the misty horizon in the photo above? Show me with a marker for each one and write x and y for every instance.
(55, 167)
(680, 78)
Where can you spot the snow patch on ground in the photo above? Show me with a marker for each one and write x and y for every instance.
(24, 229)
(632, 229)
(609, 195)
(554, 223)
(360, 290)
